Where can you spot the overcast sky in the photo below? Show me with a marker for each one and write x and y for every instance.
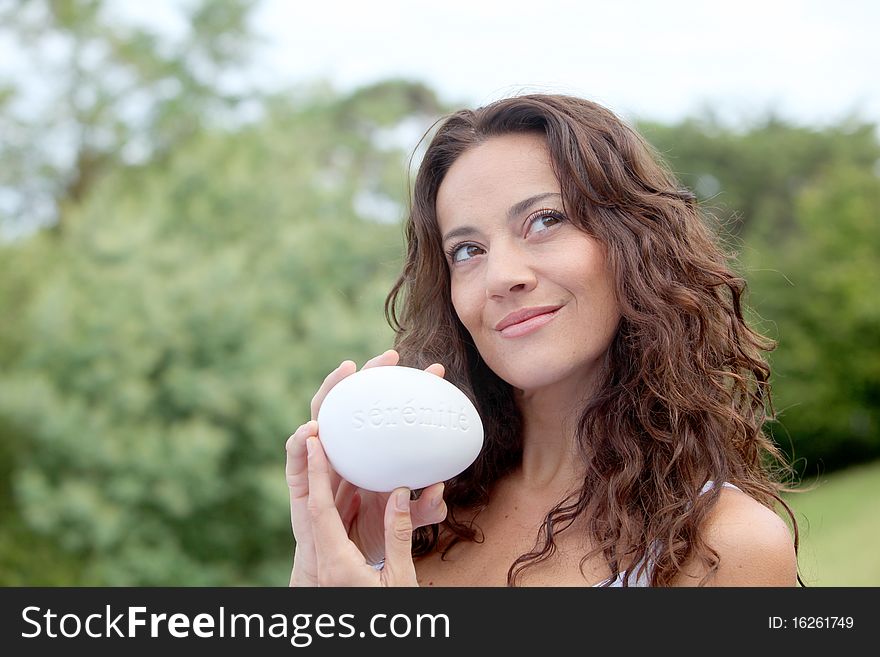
(812, 61)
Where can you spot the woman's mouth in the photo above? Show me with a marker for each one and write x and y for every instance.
(529, 325)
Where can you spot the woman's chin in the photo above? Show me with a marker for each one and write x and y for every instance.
(535, 379)
(537, 375)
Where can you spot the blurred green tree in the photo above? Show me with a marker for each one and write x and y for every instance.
(93, 89)
(749, 177)
(87, 91)
(800, 205)
(179, 329)
(818, 286)
(158, 349)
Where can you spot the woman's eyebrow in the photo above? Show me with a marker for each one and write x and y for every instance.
(518, 208)
(461, 231)
(515, 210)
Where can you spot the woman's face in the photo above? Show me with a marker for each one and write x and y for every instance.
(531, 288)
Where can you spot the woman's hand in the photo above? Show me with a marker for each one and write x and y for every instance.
(339, 561)
(362, 513)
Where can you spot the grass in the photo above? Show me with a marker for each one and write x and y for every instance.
(839, 521)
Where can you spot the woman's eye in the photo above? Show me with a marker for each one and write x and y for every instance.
(464, 252)
(544, 220)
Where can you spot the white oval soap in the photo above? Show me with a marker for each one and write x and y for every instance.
(385, 427)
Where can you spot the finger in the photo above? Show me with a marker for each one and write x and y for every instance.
(305, 561)
(386, 358)
(345, 368)
(296, 467)
(330, 538)
(348, 501)
(437, 369)
(297, 474)
(399, 569)
(335, 478)
(430, 508)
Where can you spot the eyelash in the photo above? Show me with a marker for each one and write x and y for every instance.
(538, 214)
(542, 213)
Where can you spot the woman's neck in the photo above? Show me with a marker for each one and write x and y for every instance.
(551, 452)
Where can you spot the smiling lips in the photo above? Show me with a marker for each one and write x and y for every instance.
(525, 321)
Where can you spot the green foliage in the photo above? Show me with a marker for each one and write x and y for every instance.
(801, 205)
(166, 346)
(99, 92)
(750, 178)
(819, 287)
(200, 278)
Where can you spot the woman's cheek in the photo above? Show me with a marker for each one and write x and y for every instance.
(464, 308)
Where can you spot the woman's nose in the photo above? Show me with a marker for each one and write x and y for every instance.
(508, 270)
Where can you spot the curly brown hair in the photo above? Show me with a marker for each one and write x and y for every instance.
(685, 389)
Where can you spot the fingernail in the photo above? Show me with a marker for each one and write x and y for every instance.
(402, 500)
(310, 445)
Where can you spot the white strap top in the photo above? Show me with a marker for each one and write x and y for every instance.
(645, 578)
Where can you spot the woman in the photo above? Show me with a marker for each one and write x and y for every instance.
(558, 274)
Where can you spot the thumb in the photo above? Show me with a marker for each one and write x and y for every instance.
(399, 569)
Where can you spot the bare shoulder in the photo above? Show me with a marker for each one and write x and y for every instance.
(754, 545)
